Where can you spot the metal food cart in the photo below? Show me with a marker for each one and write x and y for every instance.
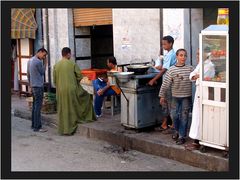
(214, 87)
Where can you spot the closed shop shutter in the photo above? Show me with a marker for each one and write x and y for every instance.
(92, 16)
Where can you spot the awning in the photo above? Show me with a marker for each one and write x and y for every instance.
(23, 23)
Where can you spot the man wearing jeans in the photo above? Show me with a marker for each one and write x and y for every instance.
(35, 72)
(177, 78)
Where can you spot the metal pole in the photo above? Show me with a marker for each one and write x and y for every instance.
(126, 100)
(190, 23)
(161, 30)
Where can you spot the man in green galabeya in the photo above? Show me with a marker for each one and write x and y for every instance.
(74, 104)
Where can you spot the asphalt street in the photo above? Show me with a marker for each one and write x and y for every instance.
(34, 151)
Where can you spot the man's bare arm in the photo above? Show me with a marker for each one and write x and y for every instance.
(157, 76)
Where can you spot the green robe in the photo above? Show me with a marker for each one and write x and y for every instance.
(74, 104)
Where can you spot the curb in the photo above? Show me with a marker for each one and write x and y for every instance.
(142, 144)
(174, 152)
(26, 114)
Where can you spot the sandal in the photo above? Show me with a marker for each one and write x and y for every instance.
(160, 129)
(192, 146)
(171, 126)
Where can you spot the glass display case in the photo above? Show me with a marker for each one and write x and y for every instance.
(214, 82)
(214, 58)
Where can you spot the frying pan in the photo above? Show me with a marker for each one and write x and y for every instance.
(138, 69)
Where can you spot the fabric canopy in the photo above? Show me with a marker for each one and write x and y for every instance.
(23, 23)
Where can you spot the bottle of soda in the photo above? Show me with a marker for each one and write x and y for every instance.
(223, 16)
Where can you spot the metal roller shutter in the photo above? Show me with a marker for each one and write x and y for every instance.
(92, 16)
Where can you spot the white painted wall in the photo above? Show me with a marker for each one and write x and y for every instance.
(136, 34)
(60, 33)
(176, 22)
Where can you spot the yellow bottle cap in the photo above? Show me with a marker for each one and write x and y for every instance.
(223, 11)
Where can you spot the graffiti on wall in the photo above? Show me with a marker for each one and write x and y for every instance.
(175, 31)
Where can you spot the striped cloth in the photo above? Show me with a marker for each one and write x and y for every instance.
(23, 23)
(177, 77)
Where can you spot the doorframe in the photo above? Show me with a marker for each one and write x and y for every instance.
(80, 58)
(19, 55)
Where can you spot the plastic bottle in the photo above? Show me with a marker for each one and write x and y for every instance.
(223, 16)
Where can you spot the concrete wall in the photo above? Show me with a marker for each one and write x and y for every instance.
(60, 32)
(176, 22)
(45, 36)
(38, 42)
(136, 34)
(196, 26)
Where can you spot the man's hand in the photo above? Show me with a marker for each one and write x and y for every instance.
(162, 101)
(152, 82)
(195, 77)
(100, 92)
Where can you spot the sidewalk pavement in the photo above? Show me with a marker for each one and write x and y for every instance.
(109, 128)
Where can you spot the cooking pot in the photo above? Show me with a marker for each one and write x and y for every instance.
(138, 69)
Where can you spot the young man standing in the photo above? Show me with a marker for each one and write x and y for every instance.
(168, 61)
(35, 72)
(177, 77)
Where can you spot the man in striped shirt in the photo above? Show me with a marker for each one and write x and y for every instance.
(177, 78)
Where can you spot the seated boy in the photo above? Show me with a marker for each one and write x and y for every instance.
(102, 88)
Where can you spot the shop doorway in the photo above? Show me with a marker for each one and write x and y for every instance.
(101, 45)
(93, 45)
(93, 36)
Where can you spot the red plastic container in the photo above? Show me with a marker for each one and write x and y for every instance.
(93, 73)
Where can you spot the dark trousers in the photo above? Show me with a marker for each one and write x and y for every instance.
(98, 101)
(179, 113)
(36, 107)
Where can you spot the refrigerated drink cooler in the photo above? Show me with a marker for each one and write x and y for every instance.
(214, 87)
